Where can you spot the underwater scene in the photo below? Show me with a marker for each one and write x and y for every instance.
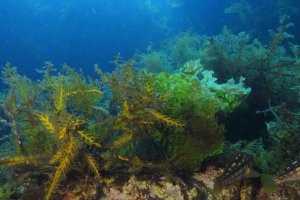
(150, 100)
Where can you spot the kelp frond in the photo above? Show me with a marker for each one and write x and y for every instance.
(59, 155)
(149, 87)
(126, 137)
(20, 160)
(85, 91)
(63, 167)
(93, 165)
(59, 96)
(89, 139)
(46, 122)
(126, 111)
(278, 37)
(62, 133)
(165, 119)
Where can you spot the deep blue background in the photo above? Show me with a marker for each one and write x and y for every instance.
(82, 33)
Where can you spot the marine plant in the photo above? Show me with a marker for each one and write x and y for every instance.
(165, 121)
(172, 54)
(270, 67)
(275, 160)
(266, 67)
(44, 124)
(5, 192)
(282, 135)
(197, 100)
(155, 61)
(182, 101)
(183, 48)
(137, 108)
(257, 151)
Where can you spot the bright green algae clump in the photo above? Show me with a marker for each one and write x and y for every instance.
(195, 96)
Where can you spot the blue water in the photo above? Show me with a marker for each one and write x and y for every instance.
(87, 32)
(82, 33)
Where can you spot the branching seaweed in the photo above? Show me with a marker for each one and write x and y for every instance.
(47, 121)
(155, 121)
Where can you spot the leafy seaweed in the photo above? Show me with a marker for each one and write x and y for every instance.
(165, 121)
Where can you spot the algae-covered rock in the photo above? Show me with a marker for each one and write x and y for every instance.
(152, 187)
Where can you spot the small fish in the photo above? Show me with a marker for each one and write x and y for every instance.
(236, 171)
(241, 169)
